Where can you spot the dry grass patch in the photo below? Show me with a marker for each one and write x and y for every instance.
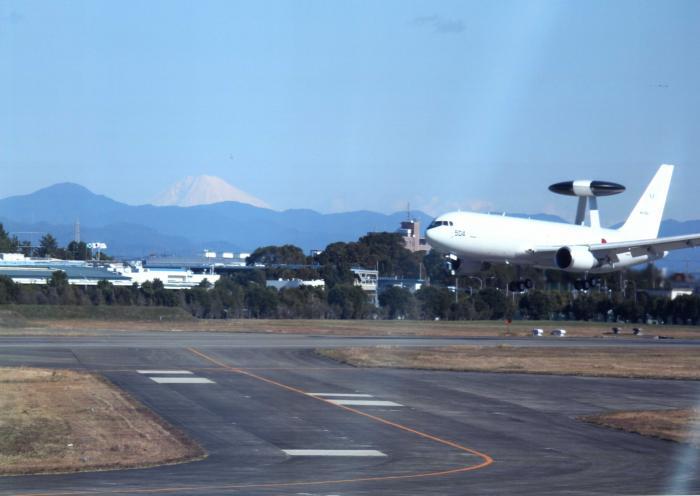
(673, 425)
(63, 421)
(68, 326)
(604, 362)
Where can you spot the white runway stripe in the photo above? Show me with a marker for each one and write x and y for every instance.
(364, 403)
(181, 380)
(317, 452)
(165, 372)
(344, 395)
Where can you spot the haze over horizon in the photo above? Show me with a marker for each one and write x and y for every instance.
(348, 106)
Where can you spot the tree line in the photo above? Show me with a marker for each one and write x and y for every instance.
(48, 247)
(482, 296)
(245, 295)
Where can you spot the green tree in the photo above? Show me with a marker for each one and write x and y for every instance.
(58, 280)
(277, 255)
(435, 270)
(495, 300)
(629, 310)
(48, 246)
(231, 295)
(9, 291)
(106, 290)
(25, 247)
(77, 251)
(348, 301)
(536, 305)
(464, 309)
(686, 309)
(435, 302)
(385, 251)
(261, 301)
(248, 277)
(199, 302)
(398, 302)
(302, 302)
(7, 244)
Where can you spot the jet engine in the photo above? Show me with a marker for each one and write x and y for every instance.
(575, 258)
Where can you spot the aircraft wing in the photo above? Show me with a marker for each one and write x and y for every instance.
(636, 248)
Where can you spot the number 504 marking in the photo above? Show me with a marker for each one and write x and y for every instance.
(459, 232)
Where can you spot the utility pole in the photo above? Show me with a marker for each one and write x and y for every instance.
(456, 288)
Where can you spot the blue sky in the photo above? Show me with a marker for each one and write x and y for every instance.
(353, 105)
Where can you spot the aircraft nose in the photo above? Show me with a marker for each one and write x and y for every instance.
(432, 238)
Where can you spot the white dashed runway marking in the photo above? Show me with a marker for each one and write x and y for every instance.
(317, 452)
(344, 395)
(182, 380)
(165, 372)
(364, 403)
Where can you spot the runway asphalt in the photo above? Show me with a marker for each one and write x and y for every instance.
(437, 433)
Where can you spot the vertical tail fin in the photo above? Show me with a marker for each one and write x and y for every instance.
(645, 219)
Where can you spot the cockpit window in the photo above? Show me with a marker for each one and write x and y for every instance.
(437, 223)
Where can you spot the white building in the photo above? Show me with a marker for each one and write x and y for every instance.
(172, 278)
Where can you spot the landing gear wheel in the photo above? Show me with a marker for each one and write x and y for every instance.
(529, 284)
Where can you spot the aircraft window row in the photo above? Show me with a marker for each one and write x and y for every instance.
(437, 223)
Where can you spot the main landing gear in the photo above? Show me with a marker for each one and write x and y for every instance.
(586, 284)
(520, 285)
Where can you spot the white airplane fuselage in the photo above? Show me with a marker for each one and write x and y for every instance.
(476, 237)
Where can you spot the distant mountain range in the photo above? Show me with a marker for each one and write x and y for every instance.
(137, 231)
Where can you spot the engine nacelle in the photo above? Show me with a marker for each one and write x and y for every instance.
(575, 258)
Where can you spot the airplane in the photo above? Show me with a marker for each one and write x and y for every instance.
(470, 239)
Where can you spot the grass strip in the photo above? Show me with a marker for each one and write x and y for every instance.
(628, 362)
(67, 421)
(673, 425)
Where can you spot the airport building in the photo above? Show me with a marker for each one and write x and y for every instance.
(28, 270)
(410, 232)
(171, 277)
(208, 261)
(368, 280)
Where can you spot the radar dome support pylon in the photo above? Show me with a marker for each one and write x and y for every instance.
(587, 192)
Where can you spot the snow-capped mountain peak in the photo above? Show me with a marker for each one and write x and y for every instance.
(204, 190)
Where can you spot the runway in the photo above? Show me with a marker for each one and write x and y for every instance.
(276, 418)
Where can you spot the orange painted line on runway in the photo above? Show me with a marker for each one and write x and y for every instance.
(220, 369)
(266, 485)
(486, 459)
